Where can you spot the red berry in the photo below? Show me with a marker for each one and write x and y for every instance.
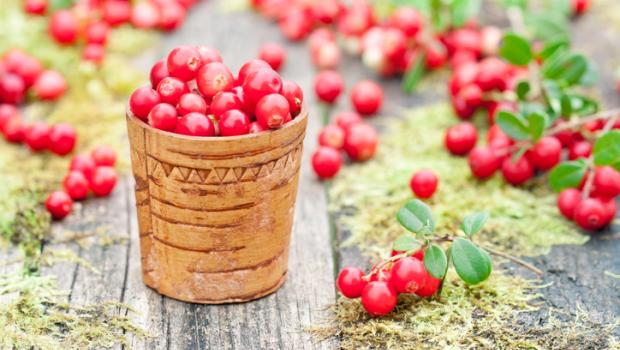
(461, 138)
(332, 136)
(379, 298)
(63, 26)
(328, 85)
(326, 162)
(213, 78)
(464, 75)
(172, 15)
(606, 182)
(158, 72)
(35, 7)
(93, 53)
(580, 6)
(145, 15)
(366, 97)
(260, 83)
(255, 128)
(546, 153)
(171, 89)
(408, 275)
(224, 101)
(75, 185)
(385, 274)
(116, 12)
(191, 103)
(37, 136)
(567, 201)
(272, 110)
(350, 282)
(361, 142)
(97, 33)
(103, 181)
(274, 54)
(142, 101)
(407, 19)
(580, 149)
(591, 214)
(517, 172)
(436, 55)
(609, 204)
(233, 123)
(84, 164)
(50, 85)
(7, 111)
(208, 54)
(430, 287)
(12, 88)
(183, 62)
(195, 124)
(163, 116)
(249, 67)
(462, 110)
(491, 74)
(103, 156)
(29, 69)
(347, 119)
(295, 24)
(14, 130)
(294, 95)
(62, 139)
(471, 96)
(483, 162)
(424, 183)
(58, 204)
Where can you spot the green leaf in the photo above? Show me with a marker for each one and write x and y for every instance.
(522, 89)
(473, 223)
(566, 105)
(569, 68)
(553, 47)
(513, 125)
(567, 174)
(56, 5)
(583, 105)
(607, 148)
(435, 261)
(547, 26)
(463, 10)
(416, 217)
(405, 243)
(472, 264)
(536, 125)
(516, 49)
(414, 74)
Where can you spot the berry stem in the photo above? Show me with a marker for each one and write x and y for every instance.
(587, 187)
(514, 259)
(611, 115)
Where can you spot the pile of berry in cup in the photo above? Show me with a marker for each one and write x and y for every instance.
(194, 93)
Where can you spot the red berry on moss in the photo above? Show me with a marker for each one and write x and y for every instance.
(424, 183)
(408, 275)
(567, 201)
(366, 97)
(58, 204)
(225, 101)
(328, 85)
(63, 26)
(195, 124)
(272, 110)
(103, 156)
(430, 287)
(591, 214)
(183, 62)
(158, 72)
(97, 33)
(49, 85)
(76, 185)
(546, 153)
(213, 78)
(191, 103)
(294, 95)
(606, 182)
(516, 173)
(580, 149)
(14, 130)
(84, 164)
(274, 54)
(361, 142)
(35, 7)
(461, 138)
(471, 96)
(332, 136)
(37, 136)
(62, 138)
(29, 69)
(260, 83)
(171, 89)
(436, 55)
(163, 116)
(7, 111)
(483, 162)
(142, 101)
(379, 298)
(350, 282)
(103, 181)
(12, 88)
(234, 123)
(326, 162)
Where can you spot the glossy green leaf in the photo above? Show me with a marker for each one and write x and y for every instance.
(473, 223)
(513, 125)
(414, 74)
(463, 10)
(536, 125)
(416, 217)
(567, 174)
(435, 261)
(522, 89)
(607, 148)
(472, 264)
(405, 243)
(516, 49)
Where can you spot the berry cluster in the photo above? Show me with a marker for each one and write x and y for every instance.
(21, 73)
(38, 136)
(92, 172)
(90, 21)
(193, 93)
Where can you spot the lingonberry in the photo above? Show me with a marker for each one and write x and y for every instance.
(84, 164)
(195, 124)
(171, 15)
(591, 214)
(361, 142)
(158, 72)
(63, 26)
(546, 153)
(274, 54)
(208, 54)
(610, 207)
(464, 75)
(192, 103)
(567, 201)
(58, 204)
(471, 95)
(606, 182)
(408, 275)
(7, 111)
(326, 56)
(430, 286)
(579, 149)
(213, 78)
(461, 109)
(62, 138)
(12, 88)
(116, 12)
(97, 33)
(295, 24)
(491, 74)
(256, 127)
(171, 89)
(294, 95)
(424, 183)
(407, 19)
(366, 97)
(35, 7)
(517, 172)
(326, 11)
(347, 119)
(93, 53)
(259, 83)
(103, 181)
(49, 85)
(461, 138)
(142, 101)
(183, 62)
(272, 110)
(37, 136)
(249, 67)
(436, 55)
(379, 298)
(580, 6)
(350, 282)
(483, 162)
(332, 136)
(224, 101)
(326, 162)
(29, 69)
(163, 116)
(75, 185)
(328, 85)
(145, 15)
(14, 130)
(233, 123)
(103, 156)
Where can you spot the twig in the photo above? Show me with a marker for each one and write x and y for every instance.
(611, 114)
(515, 260)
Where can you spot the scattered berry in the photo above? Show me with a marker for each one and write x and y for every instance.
(332, 136)
(76, 185)
(103, 181)
(103, 156)
(461, 138)
(326, 162)
(424, 183)
(328, 85)
(366, 97)
(483, 162)
(274, 54)
(62, 138)
(350, 282)
(58, 204)
(516, 173)
(360, 142)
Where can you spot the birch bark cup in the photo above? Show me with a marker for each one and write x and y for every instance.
(215, 213)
